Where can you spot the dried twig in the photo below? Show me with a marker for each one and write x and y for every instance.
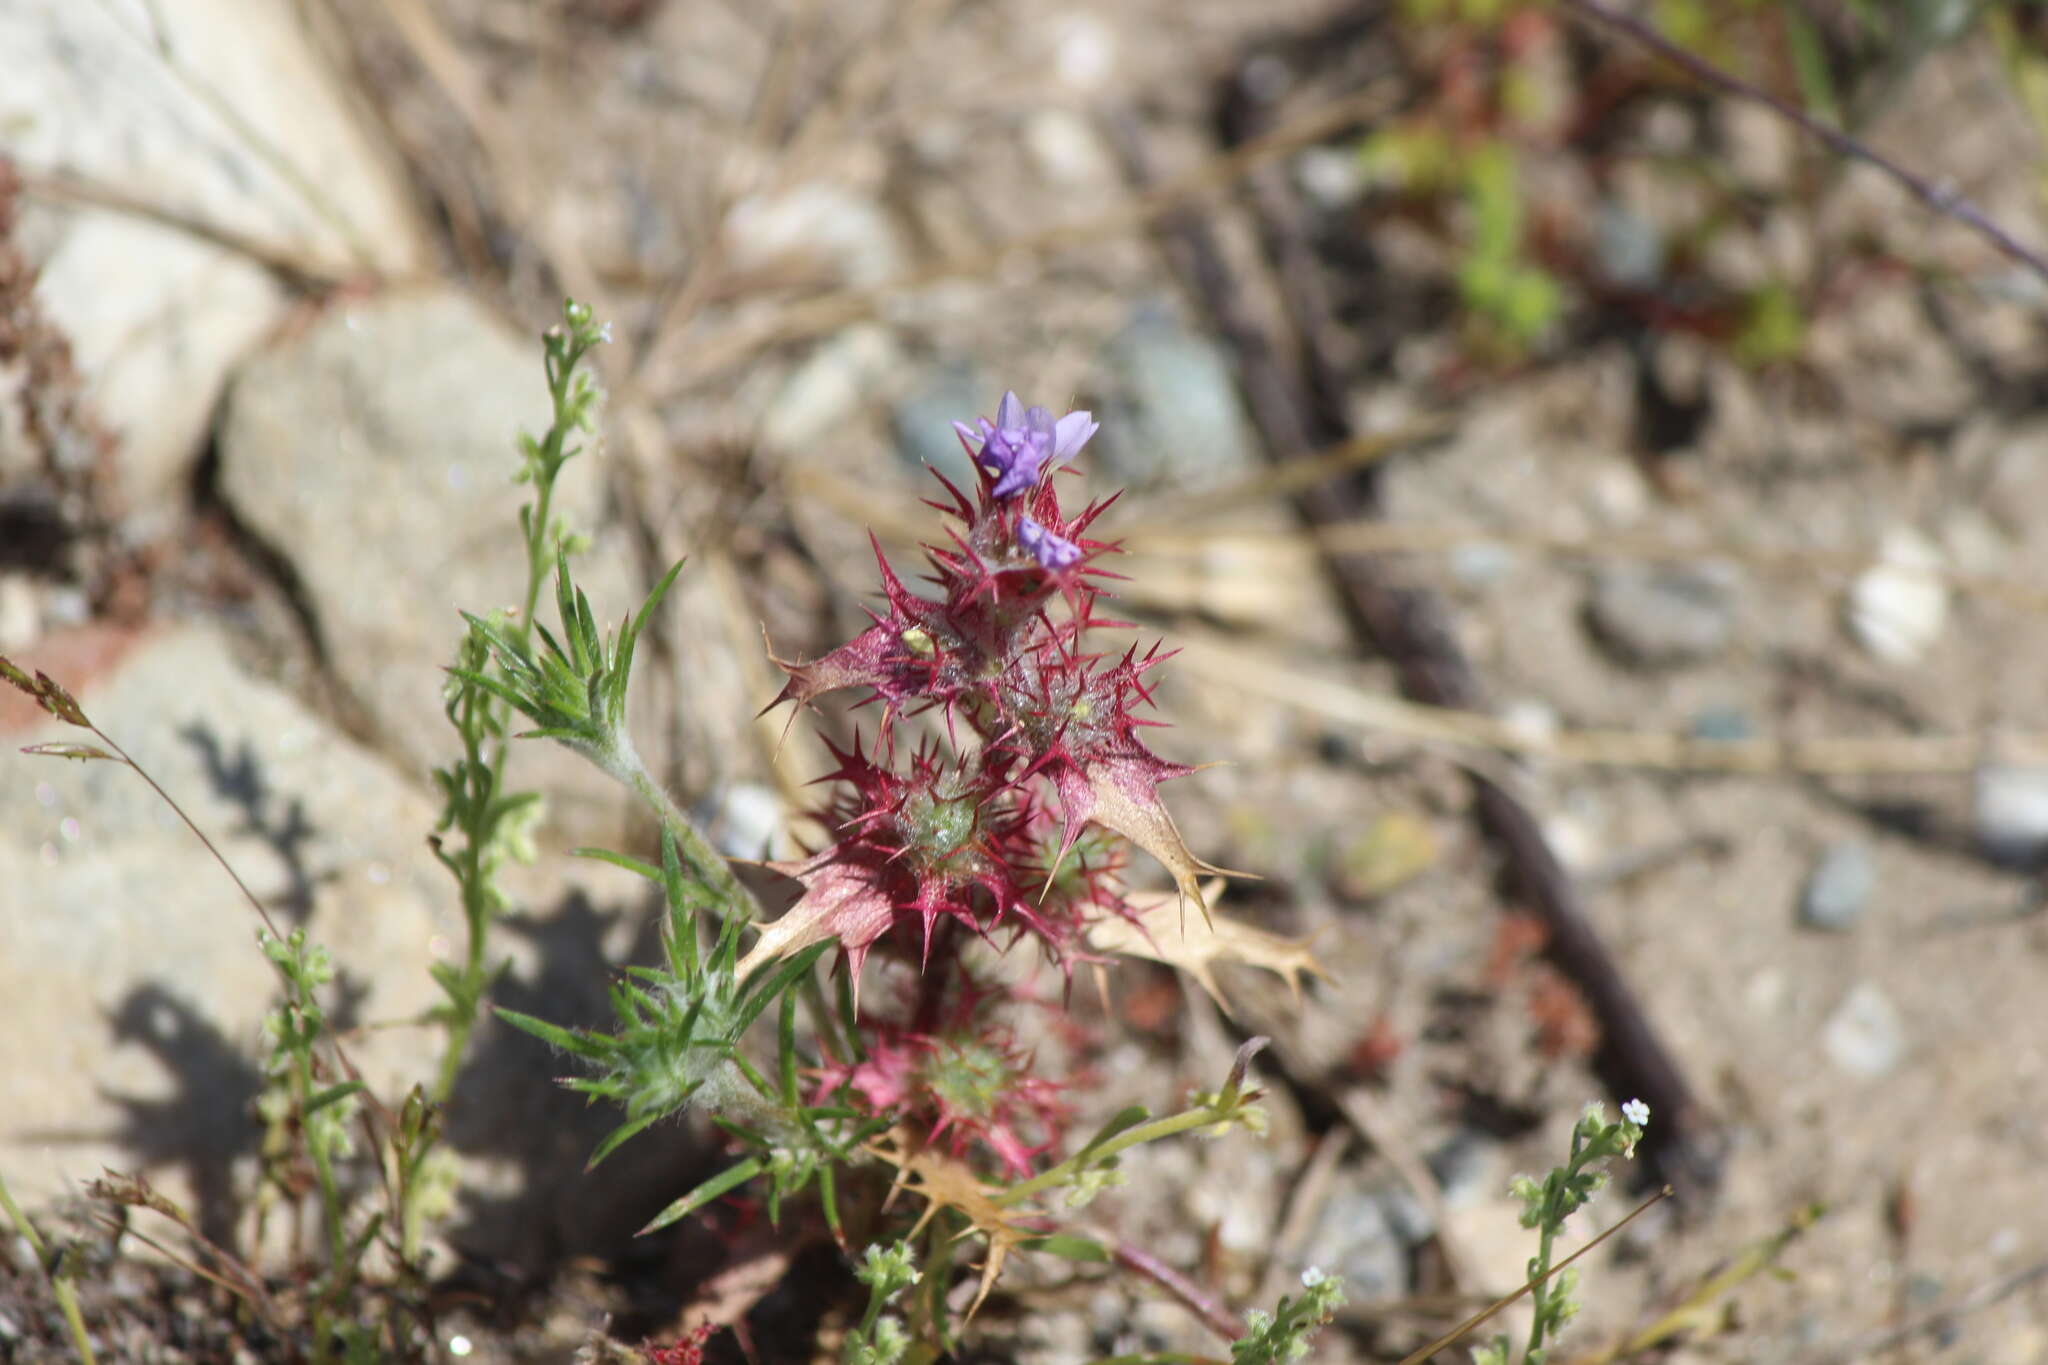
(665, 371)
(1296, 396)
(1943, 197)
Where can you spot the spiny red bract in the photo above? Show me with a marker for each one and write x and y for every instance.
(986, 840)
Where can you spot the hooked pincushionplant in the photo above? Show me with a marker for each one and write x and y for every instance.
(1005, 823)
(925, 848)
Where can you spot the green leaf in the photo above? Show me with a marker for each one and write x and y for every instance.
(1071, 1247)
(552, 1034)
(619, 1136)
(762, 992)
(1123, 1121)
(605, 855)
(731, 1178)
(331, 1095)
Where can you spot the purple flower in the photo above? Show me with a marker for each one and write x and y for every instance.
(1022, 443)
(1051, 549)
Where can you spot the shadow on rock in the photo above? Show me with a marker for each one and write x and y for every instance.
(209, 1120)
(287, 831)
(510, 1114)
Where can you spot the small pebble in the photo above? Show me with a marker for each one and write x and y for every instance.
(1354, 1238)
(923, 421)
(21, 618)
(747, 820)
(1898, 608)
(1865, 1035)
(1662, 616)
(2010, 808)
(1839, 888)
(1722, 725)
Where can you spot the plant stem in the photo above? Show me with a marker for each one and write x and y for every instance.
(696, 851)
(1130, 1137)
(60, 1285)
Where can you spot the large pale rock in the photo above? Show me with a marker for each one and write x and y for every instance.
(375, 452)
(219, 113)
(156, 318)
(132, 991)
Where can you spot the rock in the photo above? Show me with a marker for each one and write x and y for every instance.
(1839, 888)
(374, 452)
(820, 223)
(1483, 563)
(1355, 1239)
(1332, 177)
(1865, 1035)
(1662, 616)
(1467, 1168)
(1722, 725)
(211, 111)
(746, 821)
(21, 616)
(2010, 807)
(1897, 609)
(1628, 248)
(923, 421)
(1177, 421)
(1084, 51)
(832, 384)
(1069, 152)
(156, 319)
(131, 991)
(242, 126)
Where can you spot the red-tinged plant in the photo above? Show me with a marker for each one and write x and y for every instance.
(930, 850)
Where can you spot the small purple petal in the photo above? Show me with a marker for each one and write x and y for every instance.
(1049, 548)
(1018, 447)
(1070, 434)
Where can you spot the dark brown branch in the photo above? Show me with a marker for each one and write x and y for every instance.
(1295, 393)
(1942, 197)
(1214, 1315)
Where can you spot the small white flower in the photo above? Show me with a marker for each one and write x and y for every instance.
(1636, 1112)
(1312, 1277)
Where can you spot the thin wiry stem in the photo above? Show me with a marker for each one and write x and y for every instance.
(1941, 196)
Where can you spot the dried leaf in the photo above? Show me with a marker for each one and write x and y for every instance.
(81, 752)
(1162, 933)
(1122, 795)
(946, 1182)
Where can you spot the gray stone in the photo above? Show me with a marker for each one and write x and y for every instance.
(1176, 420)
(818, 223)
(1662, 616)
(923, 418)
(1839, 888)
(2010, 809)
(1865, 1035)
(131, 989)
(375, 453)
(212, 110)
(1354, 1238)
(156, 318)
(1628, 247)
(1722, 725)
(827, 390)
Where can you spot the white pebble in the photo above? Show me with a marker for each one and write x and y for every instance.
(1898, 607)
